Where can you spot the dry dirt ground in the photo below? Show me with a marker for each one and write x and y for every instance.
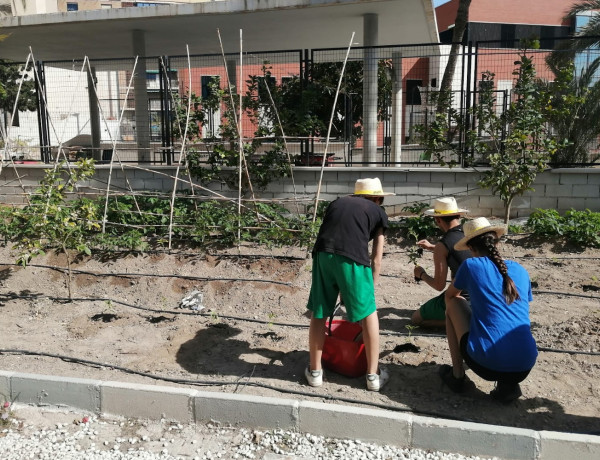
(251, 335)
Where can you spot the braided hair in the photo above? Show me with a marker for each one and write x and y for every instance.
(486, 244)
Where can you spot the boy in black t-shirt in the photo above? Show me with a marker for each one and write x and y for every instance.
(342, 266)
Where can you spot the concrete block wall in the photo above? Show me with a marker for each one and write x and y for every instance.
(560, 189)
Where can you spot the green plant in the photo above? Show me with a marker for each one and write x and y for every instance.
(516, 143)
(272, 316)
(410, 328)
(578, 227)
(514, 228)
(573, 111)
(109, 306)
(261, 163)
(420, 226)
(582, 227)
(545, 222)
(525, 150)
(52, 219)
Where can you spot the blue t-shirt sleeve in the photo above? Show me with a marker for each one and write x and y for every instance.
(462, 277)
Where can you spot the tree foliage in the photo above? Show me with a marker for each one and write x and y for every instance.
(10, 77)
(573, 112)
(516, 143)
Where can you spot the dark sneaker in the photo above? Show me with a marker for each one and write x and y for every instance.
(506, 393)
(457, 385)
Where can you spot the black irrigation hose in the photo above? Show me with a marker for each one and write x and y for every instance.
(235, 382)
(566, 294)
(152, 275)
(260, 321)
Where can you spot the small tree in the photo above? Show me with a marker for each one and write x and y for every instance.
(527, 147)
(516, 143)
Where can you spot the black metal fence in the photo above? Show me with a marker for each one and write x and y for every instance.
(134, 110)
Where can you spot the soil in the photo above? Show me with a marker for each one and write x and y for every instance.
(250, 334)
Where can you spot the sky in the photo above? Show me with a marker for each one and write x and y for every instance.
(439, 2)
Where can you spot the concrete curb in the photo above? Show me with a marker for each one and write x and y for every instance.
(369, 425)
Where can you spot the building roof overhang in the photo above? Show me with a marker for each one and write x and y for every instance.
(265, 25)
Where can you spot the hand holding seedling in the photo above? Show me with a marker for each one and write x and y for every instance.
(414, 254)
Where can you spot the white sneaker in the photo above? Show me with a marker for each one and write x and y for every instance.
(314, 378)
(375, 382)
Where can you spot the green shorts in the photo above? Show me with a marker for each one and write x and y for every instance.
(333, 274)
(434, 308)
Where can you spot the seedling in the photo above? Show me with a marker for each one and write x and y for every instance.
(414, 254)
(410, 329)
(110, 308)
(272, 316)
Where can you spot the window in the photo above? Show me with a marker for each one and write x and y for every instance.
(72, 7)
(413, 95)
(263, 93)
(209, 82)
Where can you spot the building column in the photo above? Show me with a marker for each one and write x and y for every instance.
(92, 81)
(397, 111)
(140, 91)
(370, 36)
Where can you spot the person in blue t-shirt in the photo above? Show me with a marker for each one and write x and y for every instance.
(493, 334)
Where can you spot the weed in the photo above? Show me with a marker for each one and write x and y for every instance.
(513, 228)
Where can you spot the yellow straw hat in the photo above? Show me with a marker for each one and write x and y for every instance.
(445, 207)
(370, 187)
(475, 228)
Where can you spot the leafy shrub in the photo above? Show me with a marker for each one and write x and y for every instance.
(578, 227)
(582, 227)
(545, 222)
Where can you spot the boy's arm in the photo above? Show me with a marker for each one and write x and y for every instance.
(377, 254)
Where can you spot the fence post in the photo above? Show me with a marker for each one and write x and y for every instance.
(42, 113)
(469, 95)
(164, 67)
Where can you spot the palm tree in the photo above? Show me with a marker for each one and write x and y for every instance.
(588, 35)
(574, 112)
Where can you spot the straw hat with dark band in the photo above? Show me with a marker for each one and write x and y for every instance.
(370, 187)
(445, 207)
(475, 228)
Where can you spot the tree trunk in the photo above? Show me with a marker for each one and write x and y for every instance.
(460, 25)
(507, 205)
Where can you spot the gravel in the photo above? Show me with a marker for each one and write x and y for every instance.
(49, 433)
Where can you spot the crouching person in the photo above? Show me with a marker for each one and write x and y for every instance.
(343, 266)
(492, 336)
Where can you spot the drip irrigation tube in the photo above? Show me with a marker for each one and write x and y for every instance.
(259, 321)
(154, 275)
